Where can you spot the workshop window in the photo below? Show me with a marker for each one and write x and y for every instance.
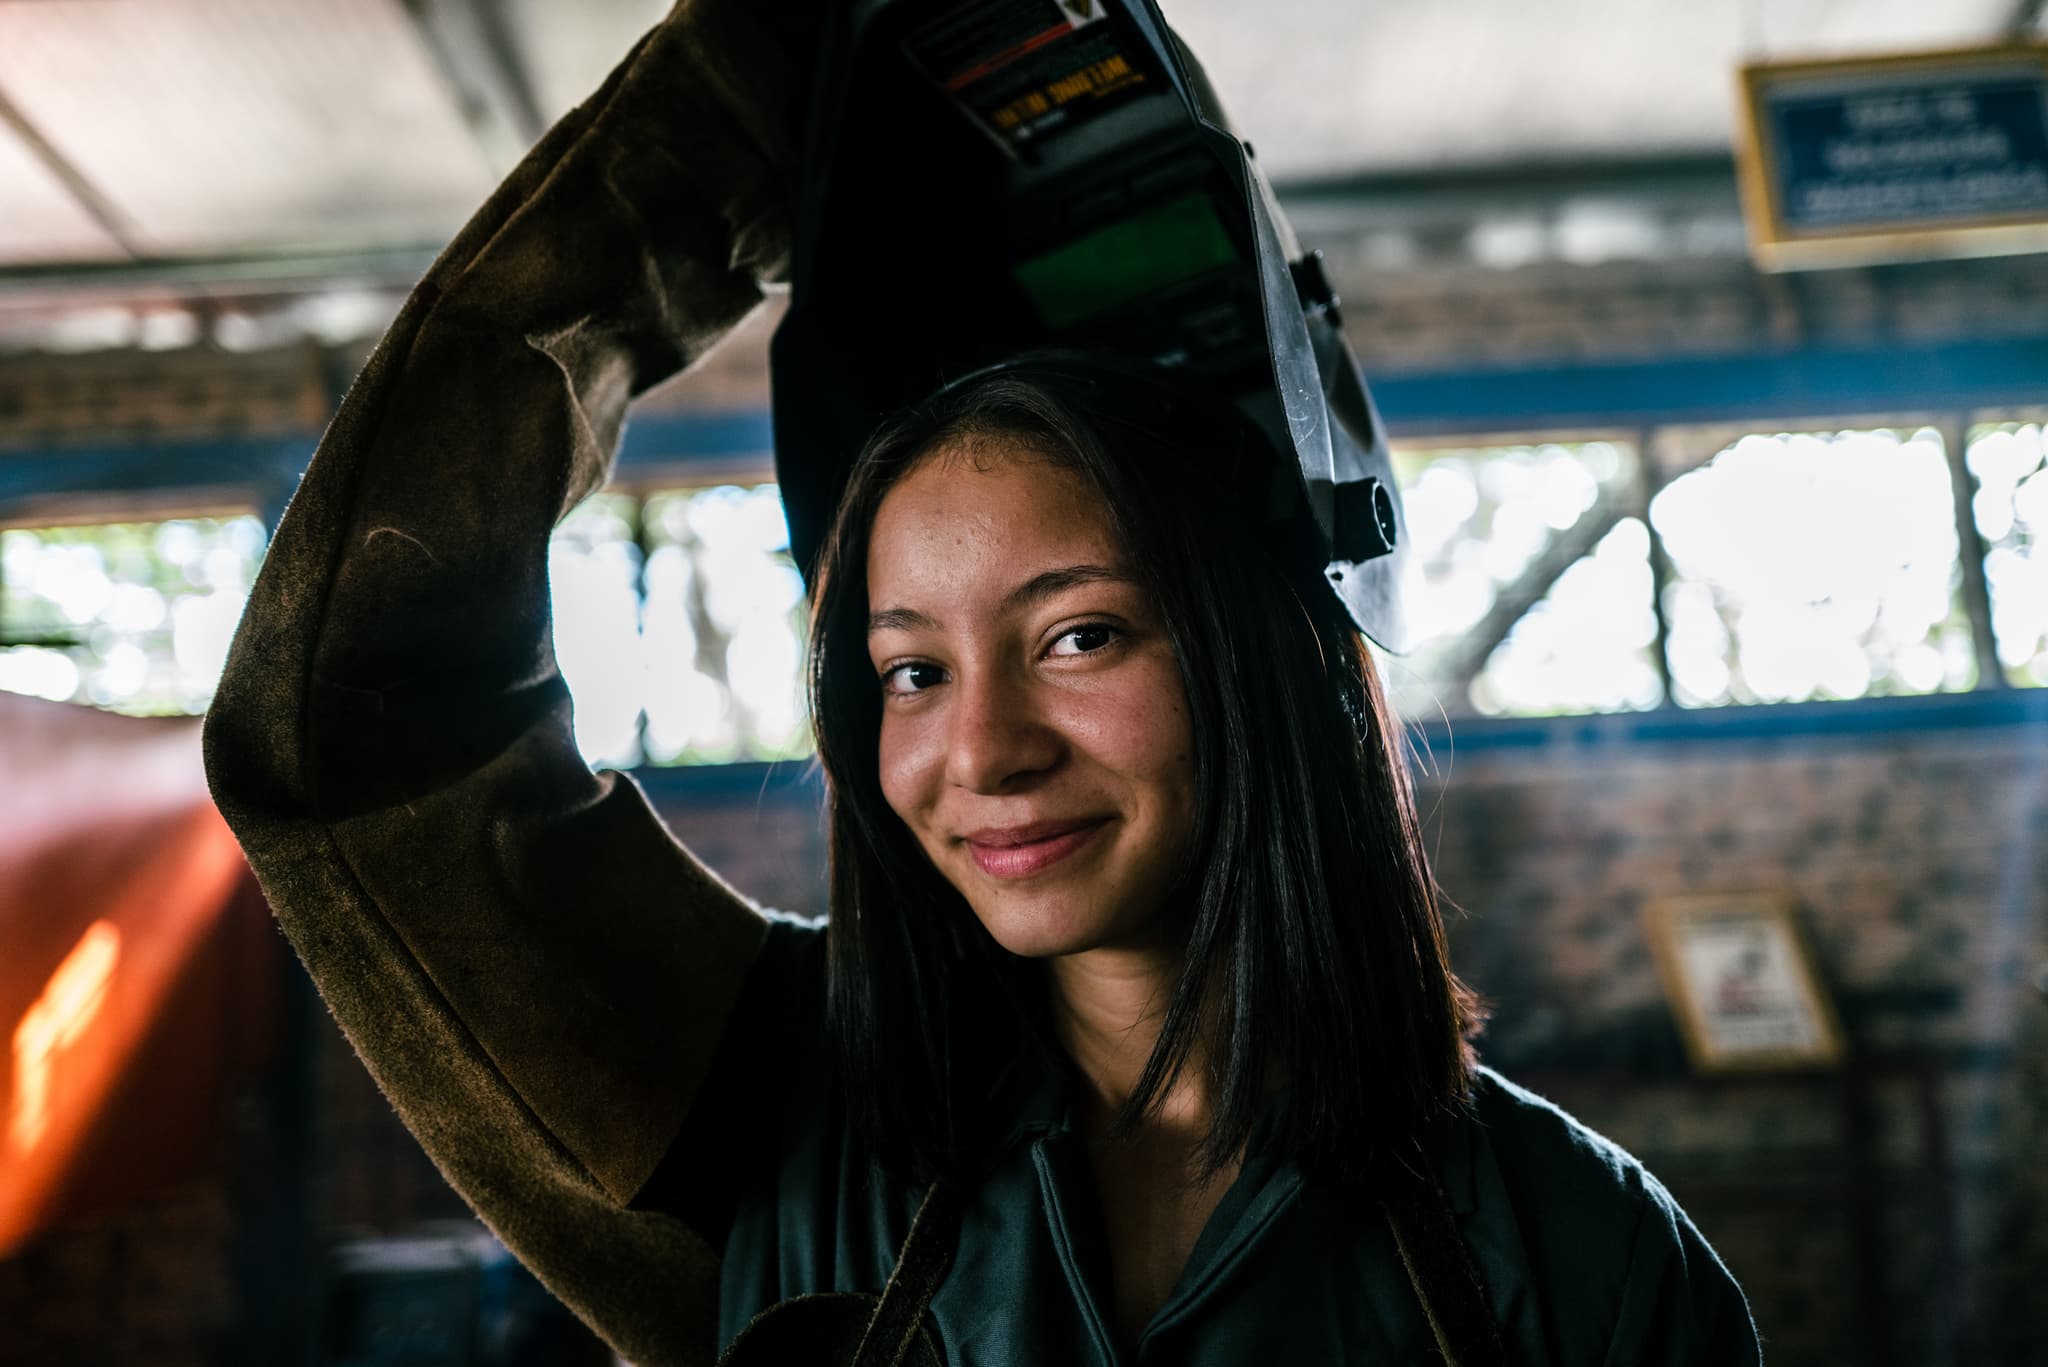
(679, 626)
(132, 616)
(1545, 578)
(1589, 644)
(1814, 565)
(2010, 507)
(594, 575)
(1528, 589)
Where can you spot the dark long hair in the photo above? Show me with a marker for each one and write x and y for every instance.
(1315, 959)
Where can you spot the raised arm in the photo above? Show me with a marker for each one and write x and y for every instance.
(534, 971)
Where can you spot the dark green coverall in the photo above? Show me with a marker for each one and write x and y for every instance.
(1585, 1257)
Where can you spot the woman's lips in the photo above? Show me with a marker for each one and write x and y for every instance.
(1022, 851)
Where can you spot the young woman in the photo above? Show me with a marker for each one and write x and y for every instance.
(1131, 1037)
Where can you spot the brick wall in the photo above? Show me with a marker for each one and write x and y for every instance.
(1450, 317)
(146, 1285)
(1404, 321)
(1893, 1211)
(214, 1265)
(101, 398)
(1436, 316)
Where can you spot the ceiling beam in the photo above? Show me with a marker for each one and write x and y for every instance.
(1524, 176)
(472, 46)
(97, 206)
(256, 274)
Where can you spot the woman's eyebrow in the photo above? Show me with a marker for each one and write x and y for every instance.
(900, 619)
(1042, 586)
(1033, 590)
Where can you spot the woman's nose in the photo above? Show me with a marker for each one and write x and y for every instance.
(996, 737)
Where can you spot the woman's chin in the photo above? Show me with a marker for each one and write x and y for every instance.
(1040, 932)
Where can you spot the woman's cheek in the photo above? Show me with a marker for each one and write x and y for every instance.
(904, 766)
(1140, 728)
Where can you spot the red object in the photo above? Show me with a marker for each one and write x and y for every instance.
(133, 982)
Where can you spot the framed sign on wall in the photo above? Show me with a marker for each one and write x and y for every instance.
(1741, 981)
(1900, 158)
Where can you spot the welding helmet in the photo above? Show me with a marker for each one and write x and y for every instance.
(984, 179)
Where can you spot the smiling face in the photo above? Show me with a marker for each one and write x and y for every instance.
(1034, 734)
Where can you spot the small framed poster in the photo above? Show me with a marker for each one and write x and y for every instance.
(1741, 981)
(1872, 159)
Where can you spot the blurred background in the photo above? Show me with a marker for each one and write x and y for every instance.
(1730, 718)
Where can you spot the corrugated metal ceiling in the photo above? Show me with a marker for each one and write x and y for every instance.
(210, 128)
(1339, 86)
(43, 220)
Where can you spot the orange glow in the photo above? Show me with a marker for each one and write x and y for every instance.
(147, 897)
(69, 1004)
(117, 883)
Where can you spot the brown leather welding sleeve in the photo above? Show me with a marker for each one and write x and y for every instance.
(535, 972)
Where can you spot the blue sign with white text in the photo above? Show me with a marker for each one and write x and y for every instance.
(1882, 150)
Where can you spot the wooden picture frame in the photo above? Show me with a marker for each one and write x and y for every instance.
(1741, 981)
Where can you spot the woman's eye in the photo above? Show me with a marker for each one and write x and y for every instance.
(1084, 640)
(911, 678)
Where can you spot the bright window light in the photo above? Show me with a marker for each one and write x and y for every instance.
(2009, 463)
(594, 583)
(1528, 585)
(1589, 645)
(679, 627)
(725, 628)
(132, 616)
(1814, 565)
